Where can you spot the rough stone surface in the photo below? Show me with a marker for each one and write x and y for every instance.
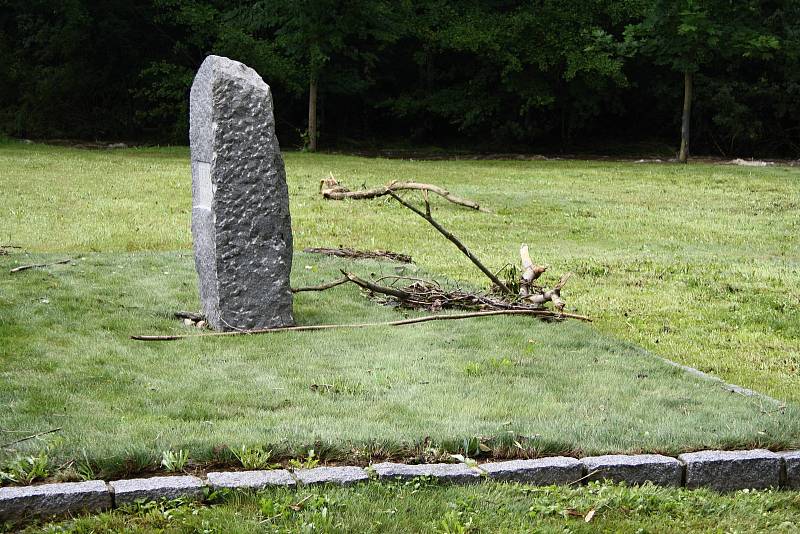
(156, 489)
(541, 472)
(732, 470)
(251, 479)
(791, 466)
(240, 202)
(458, 473)
(635, 469)
(342, 476)
(54, 499)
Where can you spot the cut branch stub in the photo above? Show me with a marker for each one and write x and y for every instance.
(530, 271)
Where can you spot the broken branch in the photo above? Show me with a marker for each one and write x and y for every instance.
(322, 287)
(403, 322)
(331, 189)
(37, 266)
(496, 281)
(359, 254)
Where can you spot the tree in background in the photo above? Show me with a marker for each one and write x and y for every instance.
(544, 76)
(331, 42)
(688, 35)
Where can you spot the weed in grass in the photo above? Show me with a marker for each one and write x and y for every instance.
(24, 469)
(309, 462)
(453, 523)
(255, 457)
(174, 461)
(84, 468)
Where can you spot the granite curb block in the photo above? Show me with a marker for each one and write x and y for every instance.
(634, 469)
(156, 489)
(717, 470)
(250, 479)
(54, 499)
(791, 469)
(540, 472)
(342, 476)
(457, 473)
(732, 470)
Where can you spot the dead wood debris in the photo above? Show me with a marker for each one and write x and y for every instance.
(37, 266)
(331, 189)
(520, 294)
(344, 252)
(402, 322)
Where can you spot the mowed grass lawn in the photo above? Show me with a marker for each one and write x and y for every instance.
(698, 264)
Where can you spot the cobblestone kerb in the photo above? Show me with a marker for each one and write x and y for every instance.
(733, 470)
(718, 470)
(635, 469)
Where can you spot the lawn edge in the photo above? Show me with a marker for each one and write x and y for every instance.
(722, 471)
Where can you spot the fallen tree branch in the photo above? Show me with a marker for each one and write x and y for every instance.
(196, 317)
(37, 266)
(403, 322)
(399, 293)
(331, 189)
(427, 216)
(359, 254)
(32, 436)
(321, 287)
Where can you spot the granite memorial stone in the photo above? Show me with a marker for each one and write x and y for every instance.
(240, 202)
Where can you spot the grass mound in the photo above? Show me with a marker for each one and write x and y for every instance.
(519, 386)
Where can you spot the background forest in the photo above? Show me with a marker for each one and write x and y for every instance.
(539, 76)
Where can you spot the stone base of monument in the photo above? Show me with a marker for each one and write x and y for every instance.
(240, 202)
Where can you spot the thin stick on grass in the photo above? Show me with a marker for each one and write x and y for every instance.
(32, 436)
(403, 322)
(584, 477)
(37, 266)
(453, 239)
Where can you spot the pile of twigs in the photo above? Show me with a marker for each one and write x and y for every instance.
(523, 294)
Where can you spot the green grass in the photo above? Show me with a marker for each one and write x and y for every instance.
(349, 394)
(698, 263)
(490, 507)
(67, 361)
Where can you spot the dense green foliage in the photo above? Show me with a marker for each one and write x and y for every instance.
(488, 74)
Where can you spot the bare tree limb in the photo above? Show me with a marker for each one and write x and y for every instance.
(399, 293)
(331, 189)
(322, 287)
(358, 254)
(496, 281)
(37, 266)
(403, 322)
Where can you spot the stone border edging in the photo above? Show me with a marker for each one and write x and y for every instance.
(718, 470)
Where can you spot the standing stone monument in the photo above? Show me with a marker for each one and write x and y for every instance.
(240, 203)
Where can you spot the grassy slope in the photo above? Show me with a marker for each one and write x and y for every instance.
(490, 507)
(67, 363)
(699, 263)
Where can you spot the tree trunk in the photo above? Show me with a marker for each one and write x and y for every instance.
(312, 114)
(686, 118)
